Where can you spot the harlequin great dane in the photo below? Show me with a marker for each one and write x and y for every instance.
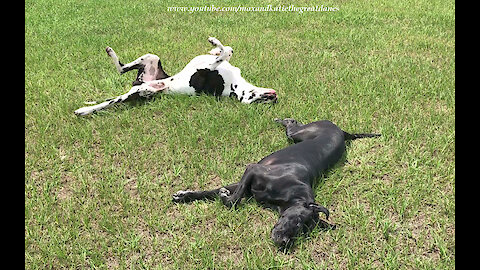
(210, 74)
(283, 180)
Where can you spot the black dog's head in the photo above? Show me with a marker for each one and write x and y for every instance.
(296, 219)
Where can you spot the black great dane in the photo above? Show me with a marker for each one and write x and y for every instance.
(283, 180)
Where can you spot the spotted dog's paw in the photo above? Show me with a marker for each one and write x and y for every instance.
(214, 41)
(223, 192)
(84, 111)
(181, 196)
(110, 51)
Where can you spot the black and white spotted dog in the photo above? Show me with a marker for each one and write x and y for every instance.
(210, 74)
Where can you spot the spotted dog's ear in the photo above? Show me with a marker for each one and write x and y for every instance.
(318, 208)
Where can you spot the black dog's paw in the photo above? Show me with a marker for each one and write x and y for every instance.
(225, 197)
(325, 226)
(223, 192)
(182, 196)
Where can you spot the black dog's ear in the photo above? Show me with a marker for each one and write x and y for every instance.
(318, 208)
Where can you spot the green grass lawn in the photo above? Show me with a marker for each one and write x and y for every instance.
(98, 188)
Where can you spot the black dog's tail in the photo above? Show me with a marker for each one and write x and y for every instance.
(349, 136)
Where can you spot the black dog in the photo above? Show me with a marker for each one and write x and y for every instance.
(283, 180)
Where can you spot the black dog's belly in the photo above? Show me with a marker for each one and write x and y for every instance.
(281, 183)
(208, 82)
(308, 159)
(289, 173)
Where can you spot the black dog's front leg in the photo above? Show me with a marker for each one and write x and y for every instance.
(229, 198)
(184, 196)
(230, 195)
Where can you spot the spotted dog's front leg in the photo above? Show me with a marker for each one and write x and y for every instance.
(216, 51)
(224, 53)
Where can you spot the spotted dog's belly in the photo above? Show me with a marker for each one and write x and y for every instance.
(207, 81)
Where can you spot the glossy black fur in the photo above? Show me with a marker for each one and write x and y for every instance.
(283, 180)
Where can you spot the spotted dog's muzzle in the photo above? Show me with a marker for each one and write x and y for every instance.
(269, 97)
(263, 95)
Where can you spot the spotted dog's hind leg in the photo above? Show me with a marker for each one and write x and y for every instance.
(115, 60)
(122, 68)
(145, 90)
(136, 64)
(149, 67)
(224, 53)
(148, 61)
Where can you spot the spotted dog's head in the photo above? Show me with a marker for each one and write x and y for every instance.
(251, 94)
(295, 219)
(260, 95)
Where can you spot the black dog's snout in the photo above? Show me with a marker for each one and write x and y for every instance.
(280, 241)
(285, 244)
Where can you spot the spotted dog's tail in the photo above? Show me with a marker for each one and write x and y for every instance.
(349, 136)
(97, 101)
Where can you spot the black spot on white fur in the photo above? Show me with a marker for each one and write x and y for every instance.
(208, 82)
(161, 74)
(241, 97)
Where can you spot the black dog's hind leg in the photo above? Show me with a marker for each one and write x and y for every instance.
(293, 129)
